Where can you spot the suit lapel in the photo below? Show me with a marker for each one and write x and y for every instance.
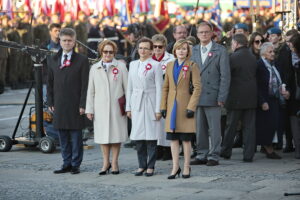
(211, 55)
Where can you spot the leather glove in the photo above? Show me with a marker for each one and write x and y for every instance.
(163, 113)
(190, 113)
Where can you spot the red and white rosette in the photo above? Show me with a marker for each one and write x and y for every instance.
(164, 67)
(147, 68)
(210, 54)
(67, 63)
(185, 68)
(115, 72)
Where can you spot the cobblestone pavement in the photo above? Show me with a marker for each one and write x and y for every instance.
(26, 173)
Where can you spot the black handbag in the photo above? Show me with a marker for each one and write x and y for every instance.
(191, 88)
(297, 91)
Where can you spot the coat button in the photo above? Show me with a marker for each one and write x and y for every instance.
(208, 72)
(207, 92)
(208, 82)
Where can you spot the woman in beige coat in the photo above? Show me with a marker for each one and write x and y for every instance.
(106, 104)
(178, 104)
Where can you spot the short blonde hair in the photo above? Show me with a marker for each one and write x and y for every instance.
(159, 38)
(179, 44)
(107, 42)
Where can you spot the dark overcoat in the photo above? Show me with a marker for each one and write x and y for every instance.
(267, 122)
(67, 90)
(243, 87)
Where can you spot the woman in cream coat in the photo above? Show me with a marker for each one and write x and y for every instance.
(142, 106)
(105, 97)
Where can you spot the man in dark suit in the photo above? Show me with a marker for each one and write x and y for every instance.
(179, 32)
(213, 61)
(242, 98)
(67, 88)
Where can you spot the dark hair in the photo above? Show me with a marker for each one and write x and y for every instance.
(67, 31)
(241, 39)
(175, 28)
(295, 40)
(291, 32)
(205, 23)
(253, 36)
(145, 39)
(54, 25)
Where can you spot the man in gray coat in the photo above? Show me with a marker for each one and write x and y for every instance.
(213, 61)
(242, 99)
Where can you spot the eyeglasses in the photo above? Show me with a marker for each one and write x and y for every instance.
(158, 46)
(146, 49)
(106, 52)
(204, 32)
(258, 41)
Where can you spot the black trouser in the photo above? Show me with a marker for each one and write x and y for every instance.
(146, 152)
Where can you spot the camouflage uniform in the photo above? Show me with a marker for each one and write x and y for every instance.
(82, 35)
(41, 32)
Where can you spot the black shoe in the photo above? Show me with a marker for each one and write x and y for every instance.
(63, 170)
(194, 154)
(187, 175)
(140, 173)
(149, 174)
(273, 155)
(225, 156)
(105, 171)
(212, 163)
(247, 160)
(263, 150)
(288, 149)
(174, 175)
(198, 162)
(115, 172)
(75, 170)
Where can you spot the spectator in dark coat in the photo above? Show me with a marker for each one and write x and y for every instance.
(270, 97)
(67, 91)
(179, 32)
(242, 98)
(294, 82)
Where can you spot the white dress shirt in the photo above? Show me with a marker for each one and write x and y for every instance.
(63, 56)
(204, 55)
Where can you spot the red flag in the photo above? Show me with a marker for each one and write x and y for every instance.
(110, 7)
(83, 5)
(27, 5)
(163, 17)
(45, 8)
(59, 8)
(8, 7)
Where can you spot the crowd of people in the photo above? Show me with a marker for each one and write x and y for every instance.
(198, 91)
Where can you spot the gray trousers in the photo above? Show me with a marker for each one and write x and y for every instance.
(146, 152)
(247, 117)
(295, 127)
(208, 126)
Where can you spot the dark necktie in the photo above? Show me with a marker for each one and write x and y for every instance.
(65, 58)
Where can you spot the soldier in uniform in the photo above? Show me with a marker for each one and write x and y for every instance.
(41, 31)
(3, 59)
(26, 71)
(81, 32)
(14, 57)
(68, 22)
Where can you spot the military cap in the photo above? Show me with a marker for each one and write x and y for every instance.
(274, 30)
(241, 26)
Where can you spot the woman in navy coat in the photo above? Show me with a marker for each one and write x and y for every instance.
(271, 95)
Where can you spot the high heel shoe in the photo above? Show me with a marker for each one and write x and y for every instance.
(115, 172)
(149, 174)
(187, 175)
(105, 171)
(140, 173)
(174, 175)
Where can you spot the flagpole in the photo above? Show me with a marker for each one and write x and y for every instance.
(196, 9)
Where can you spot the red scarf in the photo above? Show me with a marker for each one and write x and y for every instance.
(158, 59)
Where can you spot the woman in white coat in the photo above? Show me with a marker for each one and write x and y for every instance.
(163, 57)
(106, 104)
(143, 105)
